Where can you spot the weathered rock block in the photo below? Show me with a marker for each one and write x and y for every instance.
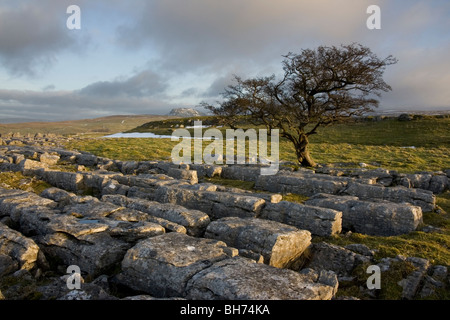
(194, 221)
(280, 245)
(127, 214)
(31, 167)
(304, 185)
(50, 159)
(68, 181)
(327, 256)
(207, 170)
(132, 232)
(114, 187)
(91, 209)
(162, 265)
(378, 176)
(75, 227)
(182, 174)
(242, 279)
(244, 173)
(216, 204)
(419, 180)
(319, 221)
(380, 218)
(227, 204)
(16, 251)
(438, 184)
(13, 202)
(9, 194)
(94, 253)
(412, 282)
(86, 159)
(418, 197)
(97, 180)
(57, 194)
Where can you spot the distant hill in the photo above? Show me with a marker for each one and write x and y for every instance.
(15, 120)
(97, 126)
(185, 112)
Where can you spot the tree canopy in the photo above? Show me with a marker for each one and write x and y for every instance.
(319, 87)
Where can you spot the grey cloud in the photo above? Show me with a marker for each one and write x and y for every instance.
(49, 87)
(189, 92)
(32, 33)
(142, 93)
(218, 86)
(423, 86)
(142, 84)
(69, 105)
(212, 35)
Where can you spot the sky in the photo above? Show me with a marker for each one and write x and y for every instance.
(149, 56)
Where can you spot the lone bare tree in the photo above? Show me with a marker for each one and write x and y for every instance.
(320, 87)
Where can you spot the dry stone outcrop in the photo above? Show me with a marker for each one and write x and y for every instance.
(194, 221)
(255, 281)
(340, 260)
(279, 244)
(158, 231)
(380, 218)
(319, 221)
(437, 182)
(179, 265)
(418, 197)
(162, 266)
(17, 252)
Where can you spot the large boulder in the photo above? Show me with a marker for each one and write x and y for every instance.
(9, 194)
(243, 279)
(14, 202)
(239, 172)
(381, 218)
(301, 184)
(91, 209)
(418, 197)
(439, 183)
(185, 112)
(94, 251)
(70, 181)
(342, 261)
(194, 221)
(226, 204)
(86, 159)
(216, 204)
(182, 174)
(280, 245)
(161, 266)
(419, 180)
(319, 221)
(31, 167)
(206, 170)
(412, 282)
(132, 215)
(49, 159)
(17, 252)
(57, 194)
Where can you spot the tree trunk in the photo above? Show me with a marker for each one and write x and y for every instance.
(302, 152)
(305, 159)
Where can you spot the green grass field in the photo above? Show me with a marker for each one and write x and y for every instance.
(409, 146)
